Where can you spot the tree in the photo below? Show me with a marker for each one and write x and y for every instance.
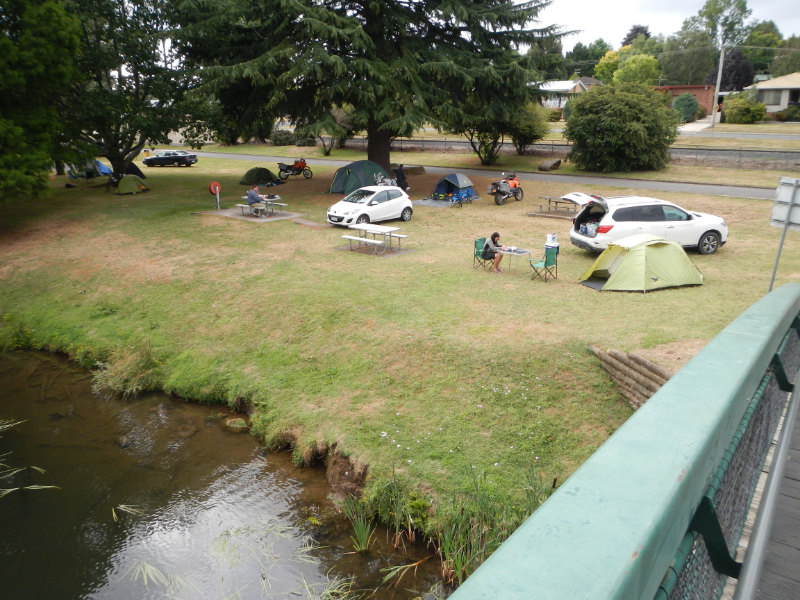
(37, 42)
(723, 20)
(687, 57)
(737, 72)
(687, 106)
(582, 59)
(604, 70)
(528, 125)
(634, 32)
(787, 59)
(763, 36)
(626, 127)
(639, 68)
(393, 61)
(132, 82)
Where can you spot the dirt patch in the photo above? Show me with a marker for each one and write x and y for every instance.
(672, 356)
(343, 477)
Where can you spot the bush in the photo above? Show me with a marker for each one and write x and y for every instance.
(555, 115)
(742, 109)
(625, 127)
(687, 106)
(790, 113)
(305, 140)
(528, 126)
(281, 137)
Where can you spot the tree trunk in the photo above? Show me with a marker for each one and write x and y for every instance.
(378, 145)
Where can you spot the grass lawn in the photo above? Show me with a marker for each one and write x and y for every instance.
(414, 362)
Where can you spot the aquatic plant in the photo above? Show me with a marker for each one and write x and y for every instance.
(360, 518)
(8, 472)
(125, 508)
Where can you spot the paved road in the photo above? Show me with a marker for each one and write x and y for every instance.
(578, 180)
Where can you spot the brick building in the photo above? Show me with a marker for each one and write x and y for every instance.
(704, 94)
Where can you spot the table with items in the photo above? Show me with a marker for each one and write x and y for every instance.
(512, 251)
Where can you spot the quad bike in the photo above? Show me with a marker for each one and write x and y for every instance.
(506, 188)
(298, 167)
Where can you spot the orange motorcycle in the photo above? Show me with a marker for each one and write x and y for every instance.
(506, 188)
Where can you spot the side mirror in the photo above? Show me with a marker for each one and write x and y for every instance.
(372, 203)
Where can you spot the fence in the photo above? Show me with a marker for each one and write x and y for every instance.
(657, 510)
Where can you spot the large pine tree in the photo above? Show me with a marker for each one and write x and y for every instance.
(396, 62)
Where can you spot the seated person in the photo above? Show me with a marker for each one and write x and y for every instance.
(255, 201)
(491, 250)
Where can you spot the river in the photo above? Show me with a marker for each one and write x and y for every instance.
(157, 499)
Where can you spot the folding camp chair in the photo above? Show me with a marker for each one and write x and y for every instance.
(546, 268)
(478, 260)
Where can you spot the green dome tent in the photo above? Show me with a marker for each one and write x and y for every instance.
(260, 176)
(355, 175)
(641, 263)
(131, 184)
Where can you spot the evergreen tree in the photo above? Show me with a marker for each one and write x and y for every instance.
(394, 61)
(582, 59)
(37, 41)
(634, 33)
(763, 36)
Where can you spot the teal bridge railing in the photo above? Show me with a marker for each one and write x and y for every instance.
(657, 511)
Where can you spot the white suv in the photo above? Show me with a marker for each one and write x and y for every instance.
(604, 220)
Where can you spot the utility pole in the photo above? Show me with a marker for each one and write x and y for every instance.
(716, 87)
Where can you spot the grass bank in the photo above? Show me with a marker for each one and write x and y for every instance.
(417, 368)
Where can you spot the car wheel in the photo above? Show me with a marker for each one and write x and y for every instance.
(362, 219)
(406, 214)
(177, 163)
(499, 199)
(709, 243)
(283, 175)
(307, 173)
(518, 194)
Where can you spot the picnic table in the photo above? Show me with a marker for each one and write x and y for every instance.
(270, 202)
(557, 204)
(386, 232)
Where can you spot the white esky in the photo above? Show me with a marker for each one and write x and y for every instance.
(611, 20)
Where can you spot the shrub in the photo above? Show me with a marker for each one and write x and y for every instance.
(687, 106)
(282, 137)
(625, 127)
(528, 126)
(742, 109)
(305, 140)
(790, 113)
(555, 115)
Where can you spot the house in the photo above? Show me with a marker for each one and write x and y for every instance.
(778, 93)
(704, 94)
(556, 93)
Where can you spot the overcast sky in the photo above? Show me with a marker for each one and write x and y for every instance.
(612, 20)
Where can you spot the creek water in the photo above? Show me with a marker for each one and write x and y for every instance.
(158, 500)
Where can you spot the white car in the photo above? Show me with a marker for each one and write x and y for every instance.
(370, 204)
(604, 220)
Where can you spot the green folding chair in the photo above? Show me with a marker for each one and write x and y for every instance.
(477, 259)
(546, 268)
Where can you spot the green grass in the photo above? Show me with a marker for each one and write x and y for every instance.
(414, 363)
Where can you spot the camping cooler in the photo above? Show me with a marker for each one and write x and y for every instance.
(552, 242)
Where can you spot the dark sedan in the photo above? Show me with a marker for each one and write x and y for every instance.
(175, 158)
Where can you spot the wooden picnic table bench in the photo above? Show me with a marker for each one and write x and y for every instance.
(556, 204)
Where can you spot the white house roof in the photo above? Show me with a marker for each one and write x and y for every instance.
(563, 87)
(787, 82)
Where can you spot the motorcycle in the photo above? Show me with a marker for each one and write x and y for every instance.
(506, 188)
(298, 167)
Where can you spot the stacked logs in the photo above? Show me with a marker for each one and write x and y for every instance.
(637, 377)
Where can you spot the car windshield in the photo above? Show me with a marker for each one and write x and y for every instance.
(358, 197)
